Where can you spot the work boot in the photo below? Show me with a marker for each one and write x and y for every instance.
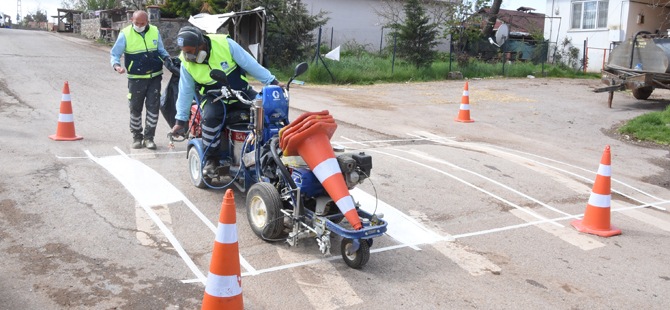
(210, 166)
(137, 143)
(149, 143)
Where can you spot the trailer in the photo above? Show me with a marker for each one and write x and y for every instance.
(641, 64)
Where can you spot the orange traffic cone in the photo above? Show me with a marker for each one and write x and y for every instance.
(224, 282)
(65, 130)
(597, 216)
(464, 112)
(312, 143)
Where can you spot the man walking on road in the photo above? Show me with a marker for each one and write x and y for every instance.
(144, 54)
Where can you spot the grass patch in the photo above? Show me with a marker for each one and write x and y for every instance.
(654, 126)
(371, 69)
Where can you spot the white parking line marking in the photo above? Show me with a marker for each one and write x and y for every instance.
(401, 227)
(580, 168)
(313, 280)
(121, 171)
(488, 231)
(416, 153)
(466, 258)
(352, 141)
(473, 145)
(146, 229)
(150, 188)
(460, 180)
(567, 234)
(475, 264)
(641, 216)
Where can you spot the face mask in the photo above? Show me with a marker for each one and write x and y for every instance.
(139, 29)
(197, 59)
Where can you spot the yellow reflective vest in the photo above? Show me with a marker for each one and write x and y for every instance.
(142, 58)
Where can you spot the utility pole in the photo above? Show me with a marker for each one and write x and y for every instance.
(18, 11)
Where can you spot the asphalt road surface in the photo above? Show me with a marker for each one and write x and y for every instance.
(479, 213)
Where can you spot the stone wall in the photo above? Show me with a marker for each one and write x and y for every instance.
(90, 28)
(169, 28)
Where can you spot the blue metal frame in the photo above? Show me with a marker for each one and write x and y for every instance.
(367, 232)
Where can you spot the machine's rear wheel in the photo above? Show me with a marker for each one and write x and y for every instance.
(264, 211)
(357, 259)
(195, 169)
(642, 93)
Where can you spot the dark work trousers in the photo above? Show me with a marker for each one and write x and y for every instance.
(212, 114)
(144, 92)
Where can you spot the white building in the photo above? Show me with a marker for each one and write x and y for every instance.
(355, 20)
(602, 22)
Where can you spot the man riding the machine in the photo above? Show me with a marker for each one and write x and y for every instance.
(202, 53)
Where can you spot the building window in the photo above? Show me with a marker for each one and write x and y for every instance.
(589, 14)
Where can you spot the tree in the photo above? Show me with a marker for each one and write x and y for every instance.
(464, 26)
(37, 15)
(290, 20)
(180, 8)
(85, 5)
(416, 36)
(493, 16)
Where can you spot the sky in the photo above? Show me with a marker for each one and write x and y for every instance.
(9, 6)
(540, 6)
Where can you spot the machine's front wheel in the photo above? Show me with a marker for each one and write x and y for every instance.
(195, 169)
(264, 211)
(357, 259)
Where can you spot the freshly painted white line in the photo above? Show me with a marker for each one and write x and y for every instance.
(352, 141)
(147, 231)
(580, 168)
(402, 227)
(567, 234)
(150, 188)
(114, 168)
(460, 180)
(118, 150)
(314, 261)
(466, 258)
(213, 228)
(191, 281)
(447, 238)
(383, 141)
(488, 231)
(640, 216)
(485, 178)
(492, 148)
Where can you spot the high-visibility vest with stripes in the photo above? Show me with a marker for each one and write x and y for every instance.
(219, 58)
(142, 58)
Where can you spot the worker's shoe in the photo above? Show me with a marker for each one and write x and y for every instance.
(210, 166)
(149, 143)
(137, 143)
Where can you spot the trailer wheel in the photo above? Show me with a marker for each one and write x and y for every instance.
(642, 93)
(195, 169)
(264, 211)
(357, 259)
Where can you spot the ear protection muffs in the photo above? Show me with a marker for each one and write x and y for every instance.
(201, 56)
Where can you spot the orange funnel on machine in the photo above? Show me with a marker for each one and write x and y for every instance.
(309, 136)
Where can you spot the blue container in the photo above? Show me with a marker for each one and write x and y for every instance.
(274, 104)
(307, 181)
